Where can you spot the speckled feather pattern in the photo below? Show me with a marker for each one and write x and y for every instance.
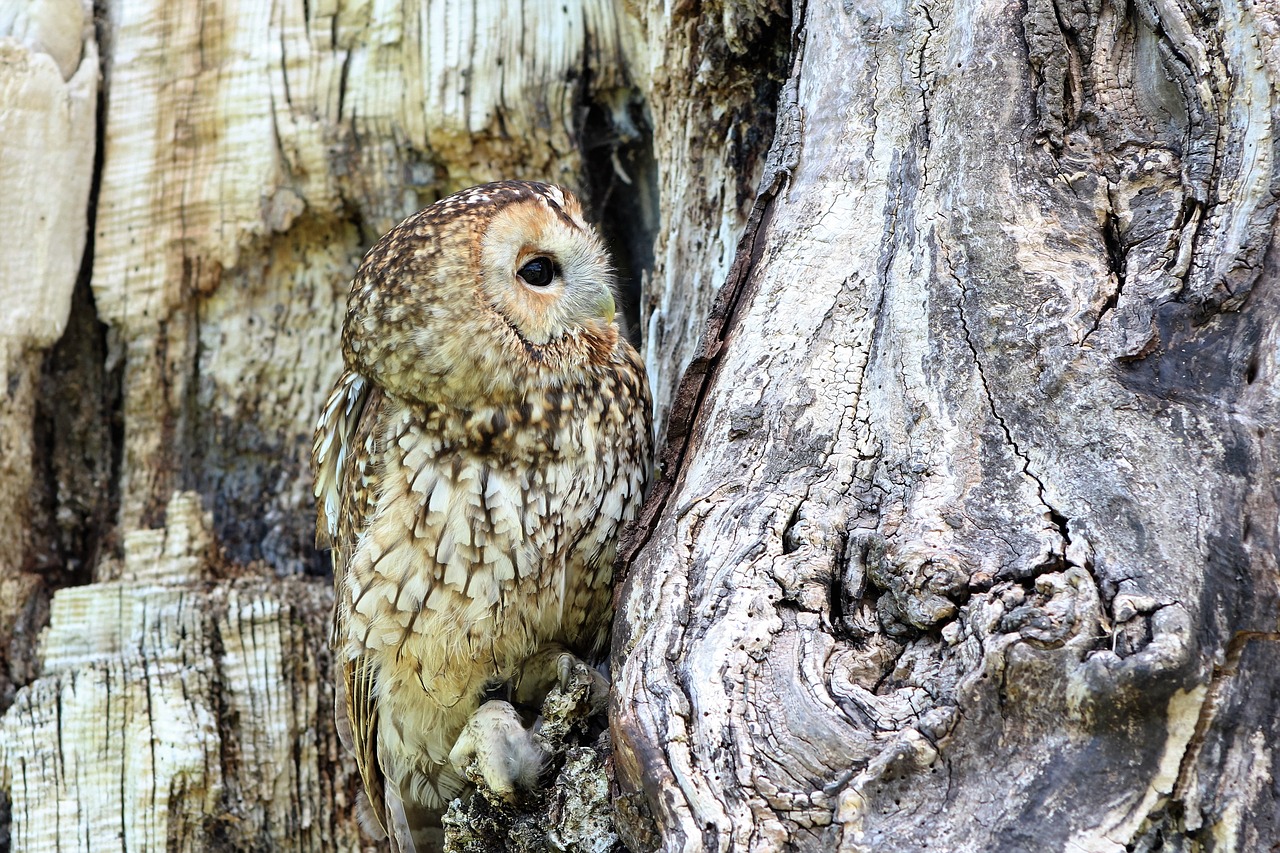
(473, 467)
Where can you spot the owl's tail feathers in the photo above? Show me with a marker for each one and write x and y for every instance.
(356, 716)
(413, 828)
(368, 818)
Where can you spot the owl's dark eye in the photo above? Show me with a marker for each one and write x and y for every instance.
(538, 272)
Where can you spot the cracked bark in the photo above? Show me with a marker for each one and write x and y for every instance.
(198, 181)
(968, 541)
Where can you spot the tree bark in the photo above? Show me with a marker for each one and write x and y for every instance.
(972, 539)
(965, 528)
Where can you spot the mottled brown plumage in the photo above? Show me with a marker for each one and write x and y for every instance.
(474, 463)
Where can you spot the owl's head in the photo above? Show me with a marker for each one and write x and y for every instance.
(483, 296)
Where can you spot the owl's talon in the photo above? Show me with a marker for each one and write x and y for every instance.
(539, 673)
(554, 667)
(597, 685)
(564, 664)
(495, 751)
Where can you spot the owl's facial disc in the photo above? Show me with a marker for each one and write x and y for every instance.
(547, 273)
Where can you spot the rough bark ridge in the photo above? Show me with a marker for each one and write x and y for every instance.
(710, 74)
(972, 545)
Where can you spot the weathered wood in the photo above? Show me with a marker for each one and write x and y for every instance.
(710, 77)
(49, 86)
(174, 712)
(966, 529)
(977, 508)
(48, 91)
(247, 155)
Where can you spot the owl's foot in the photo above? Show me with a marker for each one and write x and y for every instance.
(497, 752)
(552, 666)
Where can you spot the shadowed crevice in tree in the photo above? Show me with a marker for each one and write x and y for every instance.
(78, 426)
(77, 433)
(79, 430)
(622, 192)
(700, 375)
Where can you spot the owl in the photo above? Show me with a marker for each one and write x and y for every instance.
(489, 436)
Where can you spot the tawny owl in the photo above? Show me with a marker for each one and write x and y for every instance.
(474, 463)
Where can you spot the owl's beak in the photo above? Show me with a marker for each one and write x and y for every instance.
(604, 305)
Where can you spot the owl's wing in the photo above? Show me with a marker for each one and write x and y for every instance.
(343, 504)
(361, 708)
(334, 442)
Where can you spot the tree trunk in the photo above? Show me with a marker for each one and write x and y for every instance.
(972, 540)
(965, 531)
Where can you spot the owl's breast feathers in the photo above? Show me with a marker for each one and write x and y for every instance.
(480, 533)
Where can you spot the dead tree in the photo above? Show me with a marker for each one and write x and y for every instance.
(965, 536)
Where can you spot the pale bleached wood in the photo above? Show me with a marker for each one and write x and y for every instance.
(175, 712)
(49, 88)
(249, 153)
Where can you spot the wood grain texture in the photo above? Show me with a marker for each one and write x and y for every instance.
(247, 155)
(49, 85)
(174, 712)
(977, 500)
